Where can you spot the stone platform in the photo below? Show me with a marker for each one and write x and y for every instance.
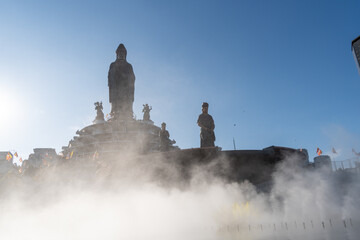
(115, 136)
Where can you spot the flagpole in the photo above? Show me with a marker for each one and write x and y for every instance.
(234, 137)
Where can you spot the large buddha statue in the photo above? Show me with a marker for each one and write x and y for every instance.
(121, 81)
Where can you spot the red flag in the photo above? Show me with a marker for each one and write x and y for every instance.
(318, 151)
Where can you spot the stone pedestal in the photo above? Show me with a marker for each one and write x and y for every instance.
(115, 136)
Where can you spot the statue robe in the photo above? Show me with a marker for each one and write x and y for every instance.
(121, 81)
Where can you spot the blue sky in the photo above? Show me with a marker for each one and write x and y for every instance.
(282, 71)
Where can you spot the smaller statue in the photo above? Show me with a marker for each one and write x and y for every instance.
(99, 113)
(165, 142)
(206, 123)
(146, 110)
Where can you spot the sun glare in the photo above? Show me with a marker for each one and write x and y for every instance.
(11, 109)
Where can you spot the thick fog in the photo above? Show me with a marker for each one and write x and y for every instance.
(147, 198)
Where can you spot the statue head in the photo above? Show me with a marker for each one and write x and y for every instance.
(121, 52)
(205, 107)
(163, 126)
(98, 106)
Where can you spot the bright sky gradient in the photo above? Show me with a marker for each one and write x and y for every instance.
(282, 71)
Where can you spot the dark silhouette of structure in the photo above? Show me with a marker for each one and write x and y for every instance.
(107, 140)
(121, 81)
(99, 113)
(355, 48)
(206, 123)
(165, 141)
(146, 110)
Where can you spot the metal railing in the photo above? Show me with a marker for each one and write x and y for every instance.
(345, 164)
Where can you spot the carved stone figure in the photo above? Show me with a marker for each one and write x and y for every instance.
(99, 113)
(146, 110)
(121, 81)
(164, 135)
(206, 123)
